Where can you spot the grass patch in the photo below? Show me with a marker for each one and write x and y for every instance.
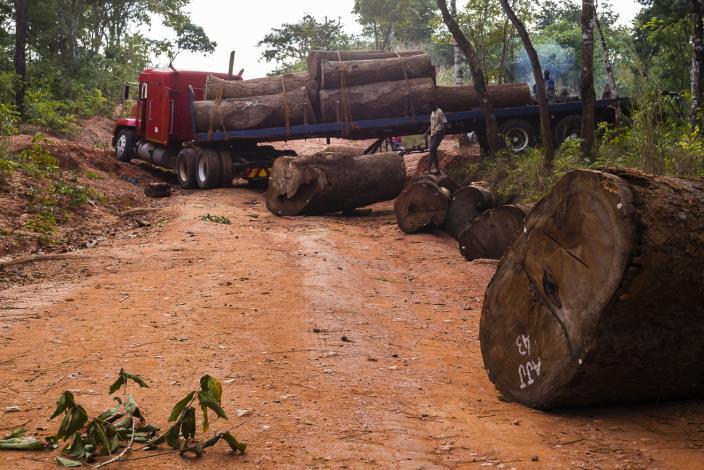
(216, 219)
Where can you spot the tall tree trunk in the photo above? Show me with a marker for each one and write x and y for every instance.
(545, 128)
(20, 57)
(587, 85)
(605, 54)
(697, 62)
(457, 57)
(478, 76)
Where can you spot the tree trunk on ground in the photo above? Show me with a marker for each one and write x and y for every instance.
(466, 205)
(491, 128)
(488, 236)
(316, 57)
(605, 55)
(599, 300)
(378, 100)
(20, 57)
(254, 112)
(587, 85)
(364, 72)
(697, 63)
(257, 86)
(333, 182)
(457, 54)
(422, 204)
(545, 124)
(463, 98)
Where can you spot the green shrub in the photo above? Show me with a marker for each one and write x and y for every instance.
(9, 118)
(42, 109)
(37, 160)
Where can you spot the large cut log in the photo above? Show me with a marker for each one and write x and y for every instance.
(600, 299)
(489, 235)
(467, 204)
(316, 57)
(422, 204)
(254, 112)
(333, 182)
(218, 88)
(378, 100)
(363, 72)
(462, 98)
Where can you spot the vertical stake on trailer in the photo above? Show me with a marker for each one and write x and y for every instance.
(232, 65)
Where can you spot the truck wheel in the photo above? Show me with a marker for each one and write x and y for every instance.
(186, 163)
(124, 145)
(208, 169)
(568, 126)
(225, 168)
(517, 135)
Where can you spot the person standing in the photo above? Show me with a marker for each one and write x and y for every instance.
(438, 121)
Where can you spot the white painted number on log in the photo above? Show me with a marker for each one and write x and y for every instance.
(528, 372)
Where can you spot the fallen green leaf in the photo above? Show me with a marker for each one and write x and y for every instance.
(67, 462)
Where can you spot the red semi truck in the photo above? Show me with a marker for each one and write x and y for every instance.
(161, 130)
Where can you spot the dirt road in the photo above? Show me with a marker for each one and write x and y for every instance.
(355, 345)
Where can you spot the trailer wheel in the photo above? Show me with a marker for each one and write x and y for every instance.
(225, 168)
(568, 126)
(208, 169)
(186, 163)
(517, 135)
(124, 145)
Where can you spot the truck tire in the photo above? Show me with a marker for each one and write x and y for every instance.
(208, 169)
(124, 145)
(568, 126)
(517, 135)
(186, 163)
(225, 168)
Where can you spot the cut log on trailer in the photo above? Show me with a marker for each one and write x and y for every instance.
(489, 235)
(316, 57)
(363, 72)
(218, 88)
(600, 299)
(467, 204)
(422, 204)
(333, 182)
(378, 100)
(453, 99)
(254, 112)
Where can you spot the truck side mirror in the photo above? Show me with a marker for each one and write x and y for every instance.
(126, 93)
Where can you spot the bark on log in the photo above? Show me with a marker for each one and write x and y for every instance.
(422, 204)
(462, 98)
(333, 182)
(467, 204)
(379, 100)
(257, 86)
(489, 235)
(254, 112)
(363, 72)
(600, 299)
(316, 57)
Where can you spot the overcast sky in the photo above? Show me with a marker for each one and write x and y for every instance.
(241, 25)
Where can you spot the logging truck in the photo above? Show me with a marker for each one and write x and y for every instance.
(161, 129)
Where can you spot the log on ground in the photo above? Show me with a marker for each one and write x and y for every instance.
(467, 204)
(333, 182)
(257, 86)
(462, 98)
(363, 72)
(316, 57)
(379, 100)
(422, 204)
(254, 112)
(600, 299)
(489, 235)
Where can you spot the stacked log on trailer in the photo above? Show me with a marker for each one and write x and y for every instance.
(599, 300)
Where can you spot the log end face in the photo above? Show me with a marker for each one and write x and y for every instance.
(544, 304)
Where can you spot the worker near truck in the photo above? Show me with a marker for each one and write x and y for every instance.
(438, 121)
(549, 87)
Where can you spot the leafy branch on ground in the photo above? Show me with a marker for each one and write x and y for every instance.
(124, 424)
(216, 219)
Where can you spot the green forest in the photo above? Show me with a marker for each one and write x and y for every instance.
(65, 60)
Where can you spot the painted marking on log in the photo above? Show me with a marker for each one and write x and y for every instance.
(523, 343)
(528, 372)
